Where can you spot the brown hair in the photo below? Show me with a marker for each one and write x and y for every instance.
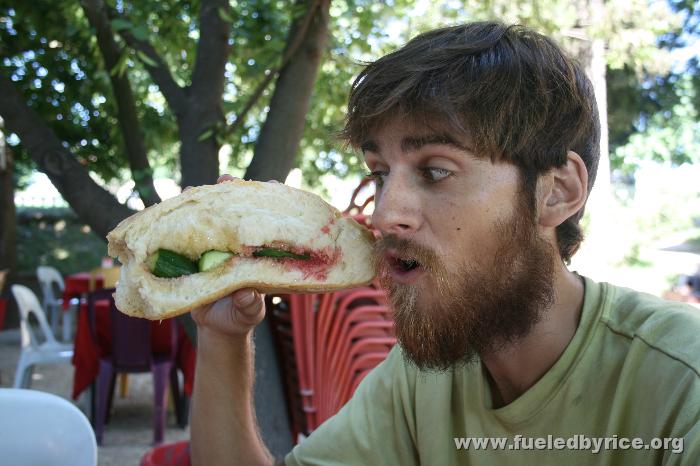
(512, 91)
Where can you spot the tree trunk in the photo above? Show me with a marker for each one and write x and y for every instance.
(199, 159)
(278, 143)
(93, 204)
(602, 246)
(8, 217)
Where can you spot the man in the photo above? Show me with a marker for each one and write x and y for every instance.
(483, 141)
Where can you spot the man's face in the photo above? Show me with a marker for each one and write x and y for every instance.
(460, 255)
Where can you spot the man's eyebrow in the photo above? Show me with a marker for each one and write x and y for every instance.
(415, 143)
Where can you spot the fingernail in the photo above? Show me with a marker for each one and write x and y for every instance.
(245, 300)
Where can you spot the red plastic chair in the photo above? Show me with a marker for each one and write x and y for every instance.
(169, 454)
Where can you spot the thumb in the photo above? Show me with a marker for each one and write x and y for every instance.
(249, 304)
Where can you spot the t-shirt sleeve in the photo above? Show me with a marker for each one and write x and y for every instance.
(377, 426)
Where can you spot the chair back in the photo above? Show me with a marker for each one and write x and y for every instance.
(131, 336)
(49, 278)
(42, 428)
(131, 342)
(28, 304)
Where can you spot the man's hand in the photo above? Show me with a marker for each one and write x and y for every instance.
(235, 316)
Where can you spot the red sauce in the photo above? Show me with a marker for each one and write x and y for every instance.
(326, 229)
(318, 265)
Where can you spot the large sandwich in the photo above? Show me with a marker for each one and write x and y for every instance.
(212, 240)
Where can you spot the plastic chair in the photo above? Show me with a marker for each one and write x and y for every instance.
(34, 351)
(131, 353)
(51, 280)
(170, 454)
(40, 428)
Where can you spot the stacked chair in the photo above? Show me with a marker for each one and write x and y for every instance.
(327, 343)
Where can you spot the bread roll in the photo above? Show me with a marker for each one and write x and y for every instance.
(237, 216)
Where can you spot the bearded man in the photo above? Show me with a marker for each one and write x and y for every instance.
(483, 140)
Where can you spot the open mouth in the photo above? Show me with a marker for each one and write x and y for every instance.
(406, 265)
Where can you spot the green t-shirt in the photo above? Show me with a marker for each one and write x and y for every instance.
(631, 371)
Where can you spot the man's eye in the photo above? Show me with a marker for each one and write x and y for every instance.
(432, 174)
(377, 176)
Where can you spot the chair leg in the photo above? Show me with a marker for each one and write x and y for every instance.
(67, 317)
(160, 393)
(110, 399)
(180, 400)
(104, 384)
(54, 317)
(123, 385)
(93, 403)
(23, 375)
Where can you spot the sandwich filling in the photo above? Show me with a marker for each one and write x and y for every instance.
(316, 264)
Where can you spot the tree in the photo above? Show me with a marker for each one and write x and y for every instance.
(116, 48)
(123, 35)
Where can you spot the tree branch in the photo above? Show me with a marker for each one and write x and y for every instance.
(160, 73)
(69, 177)
(96, 13)
(290, 50)
(283, 129)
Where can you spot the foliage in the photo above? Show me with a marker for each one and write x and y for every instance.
(51, 52)
(671, 135)
(66, 243)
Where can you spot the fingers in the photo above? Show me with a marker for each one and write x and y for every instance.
(246, 300)
(225, 177)
(250, 306)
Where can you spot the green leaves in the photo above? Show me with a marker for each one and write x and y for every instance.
(120, 24)
(206, 135)
(225, 15)
(146, 59)
(120, 67)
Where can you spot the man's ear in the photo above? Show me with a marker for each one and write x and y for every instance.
(562, 191)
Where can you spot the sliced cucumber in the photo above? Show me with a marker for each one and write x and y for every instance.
(168, 264)
(211, 259)
(273, 252)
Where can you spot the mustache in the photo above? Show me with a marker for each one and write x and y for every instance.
(406, 249)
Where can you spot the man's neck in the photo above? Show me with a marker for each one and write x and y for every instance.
(516, 368)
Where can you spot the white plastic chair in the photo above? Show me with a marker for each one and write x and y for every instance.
(40, 428)
(35, 351)
(50, 280)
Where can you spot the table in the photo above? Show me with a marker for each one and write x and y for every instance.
(77, 285)
(87, 353)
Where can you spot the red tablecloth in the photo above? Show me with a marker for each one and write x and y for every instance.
(87, 353)
(78, 284)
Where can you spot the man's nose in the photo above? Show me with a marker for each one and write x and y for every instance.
(396, 206)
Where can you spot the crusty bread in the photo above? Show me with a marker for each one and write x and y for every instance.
(225, 217)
